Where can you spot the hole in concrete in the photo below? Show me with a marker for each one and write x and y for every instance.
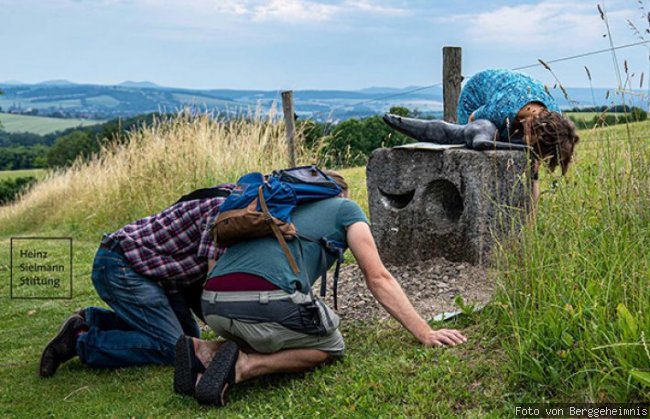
(397, 201)
(447, 196)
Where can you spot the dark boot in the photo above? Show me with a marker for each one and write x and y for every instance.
(477, 135)
(62, 347)
(430, 131)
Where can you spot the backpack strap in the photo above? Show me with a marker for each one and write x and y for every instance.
(333, 247)
(276, 231)
(337, 249)
(204, 193)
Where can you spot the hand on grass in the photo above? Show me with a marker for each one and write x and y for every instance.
(443, 337)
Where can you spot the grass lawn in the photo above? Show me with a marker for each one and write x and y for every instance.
(385, 373)
(10, 174)
(40, 124)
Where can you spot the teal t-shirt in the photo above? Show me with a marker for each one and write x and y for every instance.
(264, 257)
(498, 95)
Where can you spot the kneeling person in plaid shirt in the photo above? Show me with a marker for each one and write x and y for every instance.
(150, 273)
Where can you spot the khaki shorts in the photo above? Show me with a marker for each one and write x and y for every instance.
(272, 337)
(267, 336)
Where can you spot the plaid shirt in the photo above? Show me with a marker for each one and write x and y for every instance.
(173, 246)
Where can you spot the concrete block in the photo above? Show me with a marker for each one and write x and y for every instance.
(452, 203)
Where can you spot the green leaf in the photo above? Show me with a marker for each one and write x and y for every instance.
(642, 376)
(467, 309)
(460, 303)
(626, 321)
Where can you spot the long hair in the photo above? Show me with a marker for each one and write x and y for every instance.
(553, 137)
(338, 178)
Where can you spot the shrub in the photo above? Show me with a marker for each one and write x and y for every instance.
(639, 115)
(604, 120)
(581, 123)
(66, 149)
(352, 141)
(11, 188)
(635, 115)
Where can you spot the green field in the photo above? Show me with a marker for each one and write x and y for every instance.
(9, 174)
(588, 116)
(39, 124)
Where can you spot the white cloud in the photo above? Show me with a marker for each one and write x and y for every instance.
(545, 23)
(374, 8)
(314, 11)
(297, 11)
(289, 11)
(234, 7)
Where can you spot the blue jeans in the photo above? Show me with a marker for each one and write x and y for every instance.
(145, 322)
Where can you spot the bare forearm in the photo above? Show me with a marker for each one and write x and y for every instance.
(388, 292)
(391, 296)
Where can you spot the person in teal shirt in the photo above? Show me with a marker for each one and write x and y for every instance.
(328, 218)
(267, 313)
(502, 109)
(502, 96)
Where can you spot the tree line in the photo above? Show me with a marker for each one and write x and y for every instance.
(32, 151)
(342, 144)
(336, 144)
(607, 116)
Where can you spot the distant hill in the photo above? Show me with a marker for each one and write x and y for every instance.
(56, 83)
(139, 84)
(63, 98)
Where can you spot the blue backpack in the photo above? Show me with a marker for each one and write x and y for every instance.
(260, 206)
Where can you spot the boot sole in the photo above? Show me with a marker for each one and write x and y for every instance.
(184, 373)
(218, 375)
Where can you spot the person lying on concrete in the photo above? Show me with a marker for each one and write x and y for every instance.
(504, 110)
(150, 273)
(268, 315)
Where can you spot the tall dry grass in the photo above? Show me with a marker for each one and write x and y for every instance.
(148, 171)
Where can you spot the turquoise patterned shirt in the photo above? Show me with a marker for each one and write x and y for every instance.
(498, 94)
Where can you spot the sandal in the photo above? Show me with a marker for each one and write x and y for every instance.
(187, 366)
(219, 377)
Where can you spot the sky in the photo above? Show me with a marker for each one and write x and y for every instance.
(314, 44)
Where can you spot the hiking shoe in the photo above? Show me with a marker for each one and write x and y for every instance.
(219, 377)
(63, 346)
(187, 366)
(81, 312)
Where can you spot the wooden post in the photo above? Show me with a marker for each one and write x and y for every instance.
(451, 80)
(290, 123)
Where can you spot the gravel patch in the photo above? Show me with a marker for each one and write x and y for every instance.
(430, 285)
